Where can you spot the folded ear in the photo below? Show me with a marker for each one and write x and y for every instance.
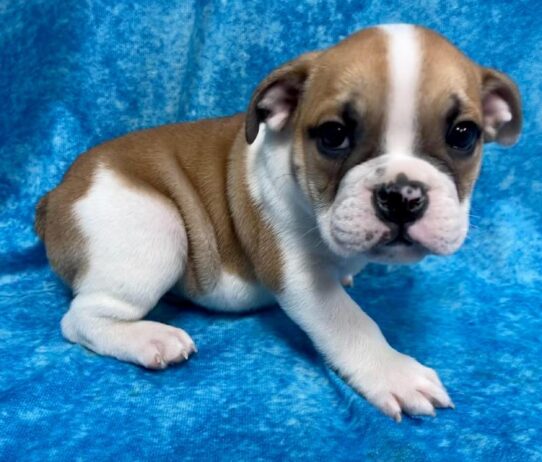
(277, 96)
(501, 103)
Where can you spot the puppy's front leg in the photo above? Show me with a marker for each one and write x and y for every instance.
(354, 345)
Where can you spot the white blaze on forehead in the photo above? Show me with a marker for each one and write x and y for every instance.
(404, 62)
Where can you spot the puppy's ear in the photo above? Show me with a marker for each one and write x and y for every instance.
(277, 96)
(501, 103)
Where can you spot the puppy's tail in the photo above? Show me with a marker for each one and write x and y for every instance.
(41, 217)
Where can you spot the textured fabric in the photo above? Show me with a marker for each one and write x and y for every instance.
(74, 73)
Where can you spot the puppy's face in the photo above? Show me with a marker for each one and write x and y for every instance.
(386, 132)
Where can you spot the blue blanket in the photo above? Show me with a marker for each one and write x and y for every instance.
(73, 74)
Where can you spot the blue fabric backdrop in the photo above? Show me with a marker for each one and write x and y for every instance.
(74, 73)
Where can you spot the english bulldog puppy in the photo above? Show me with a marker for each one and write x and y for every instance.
(367, 151)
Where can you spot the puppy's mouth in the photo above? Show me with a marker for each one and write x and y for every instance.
(401, 251)
(397, 246)
(398, 236)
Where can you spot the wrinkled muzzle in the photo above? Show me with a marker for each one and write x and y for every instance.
(395, 208)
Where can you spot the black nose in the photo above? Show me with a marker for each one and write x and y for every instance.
(400, 202)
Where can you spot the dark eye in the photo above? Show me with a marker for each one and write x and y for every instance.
(333, 139)
(463, 136)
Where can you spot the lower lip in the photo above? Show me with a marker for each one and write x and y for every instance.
(391, 250)
(400, 239)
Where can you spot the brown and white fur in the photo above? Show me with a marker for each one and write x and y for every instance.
(238, 212)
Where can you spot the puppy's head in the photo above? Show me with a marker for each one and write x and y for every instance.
(385, 132)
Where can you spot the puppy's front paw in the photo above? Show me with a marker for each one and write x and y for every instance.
(397, 383)
(156, 346)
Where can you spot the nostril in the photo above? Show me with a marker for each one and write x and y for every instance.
(414, 205)
(383, 198)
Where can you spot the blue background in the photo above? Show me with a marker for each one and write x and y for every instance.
(73, 74)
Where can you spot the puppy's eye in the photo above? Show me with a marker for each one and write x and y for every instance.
(463, 136)
(333, 139)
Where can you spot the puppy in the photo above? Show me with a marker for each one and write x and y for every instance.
(365, 152)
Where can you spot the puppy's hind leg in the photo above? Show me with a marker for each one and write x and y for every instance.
(136, 251)
(109, 326)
